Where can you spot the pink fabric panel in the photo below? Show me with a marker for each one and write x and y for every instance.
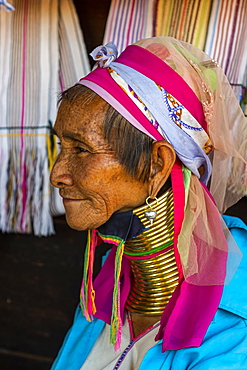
(104, 285)
(179, 203)
(183, 323)
(141, 59)
(101, 77)
(115, 104)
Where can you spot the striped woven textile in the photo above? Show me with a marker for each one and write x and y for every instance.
(129, 21)
(41, 52)
(227, 42)
(219, 27)
(185, 20)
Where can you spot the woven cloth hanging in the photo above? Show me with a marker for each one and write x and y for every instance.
(41, 52)
(129, 21)
(218, 27)
(227, 43)
(184, 20)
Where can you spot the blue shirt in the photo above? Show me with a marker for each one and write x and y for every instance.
(225, 343)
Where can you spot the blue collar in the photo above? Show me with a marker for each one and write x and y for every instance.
(124, 225)
(234, 298)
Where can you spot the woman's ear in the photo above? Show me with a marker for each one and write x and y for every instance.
(162, 159)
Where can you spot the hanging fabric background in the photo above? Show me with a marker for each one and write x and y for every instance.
(41, 52)
(218, 27)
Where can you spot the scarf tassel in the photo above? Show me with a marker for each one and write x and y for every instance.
(87, 296)
(116, 321)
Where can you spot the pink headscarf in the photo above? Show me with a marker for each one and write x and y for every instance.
(171, 90)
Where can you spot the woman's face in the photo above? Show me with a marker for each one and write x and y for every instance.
(91, 181)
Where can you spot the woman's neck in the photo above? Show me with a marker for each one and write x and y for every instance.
(152, 260)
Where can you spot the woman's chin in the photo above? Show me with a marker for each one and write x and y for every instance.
(83, 223)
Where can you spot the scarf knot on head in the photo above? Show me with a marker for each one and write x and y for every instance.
(105, 54)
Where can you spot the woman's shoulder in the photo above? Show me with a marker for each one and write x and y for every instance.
(234, 298)
(233, 222)
(78, 342)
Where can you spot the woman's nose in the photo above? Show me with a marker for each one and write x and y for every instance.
(60, 175)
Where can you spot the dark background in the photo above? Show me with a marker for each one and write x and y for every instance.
(40, 277)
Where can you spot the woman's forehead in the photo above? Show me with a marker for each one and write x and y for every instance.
(84, 105)
(80, 112)
(81, 119)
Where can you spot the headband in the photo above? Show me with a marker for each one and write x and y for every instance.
(124, 83)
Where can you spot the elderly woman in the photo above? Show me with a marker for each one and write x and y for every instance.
(141, 137)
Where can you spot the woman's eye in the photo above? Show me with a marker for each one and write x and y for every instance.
(80, 150)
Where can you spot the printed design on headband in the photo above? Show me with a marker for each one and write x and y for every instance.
(134, 97)
(208, 147)
(146, 110)
(177, 113)
(182, 118)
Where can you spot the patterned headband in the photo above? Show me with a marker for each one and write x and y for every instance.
(155, 99)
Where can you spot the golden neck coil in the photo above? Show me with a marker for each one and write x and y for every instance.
(152, 259)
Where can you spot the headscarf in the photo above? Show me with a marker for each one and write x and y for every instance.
(171, 90)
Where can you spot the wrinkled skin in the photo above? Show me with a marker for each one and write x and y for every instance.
(90, 178)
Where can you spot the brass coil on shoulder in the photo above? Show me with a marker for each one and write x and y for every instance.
(155, 274)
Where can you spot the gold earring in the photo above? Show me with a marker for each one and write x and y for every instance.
(151, 214)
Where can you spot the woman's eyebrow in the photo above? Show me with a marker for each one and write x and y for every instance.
(72, 136)
(76, 137)
(67, 135)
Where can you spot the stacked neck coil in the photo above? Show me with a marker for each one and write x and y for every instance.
(152, 259)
